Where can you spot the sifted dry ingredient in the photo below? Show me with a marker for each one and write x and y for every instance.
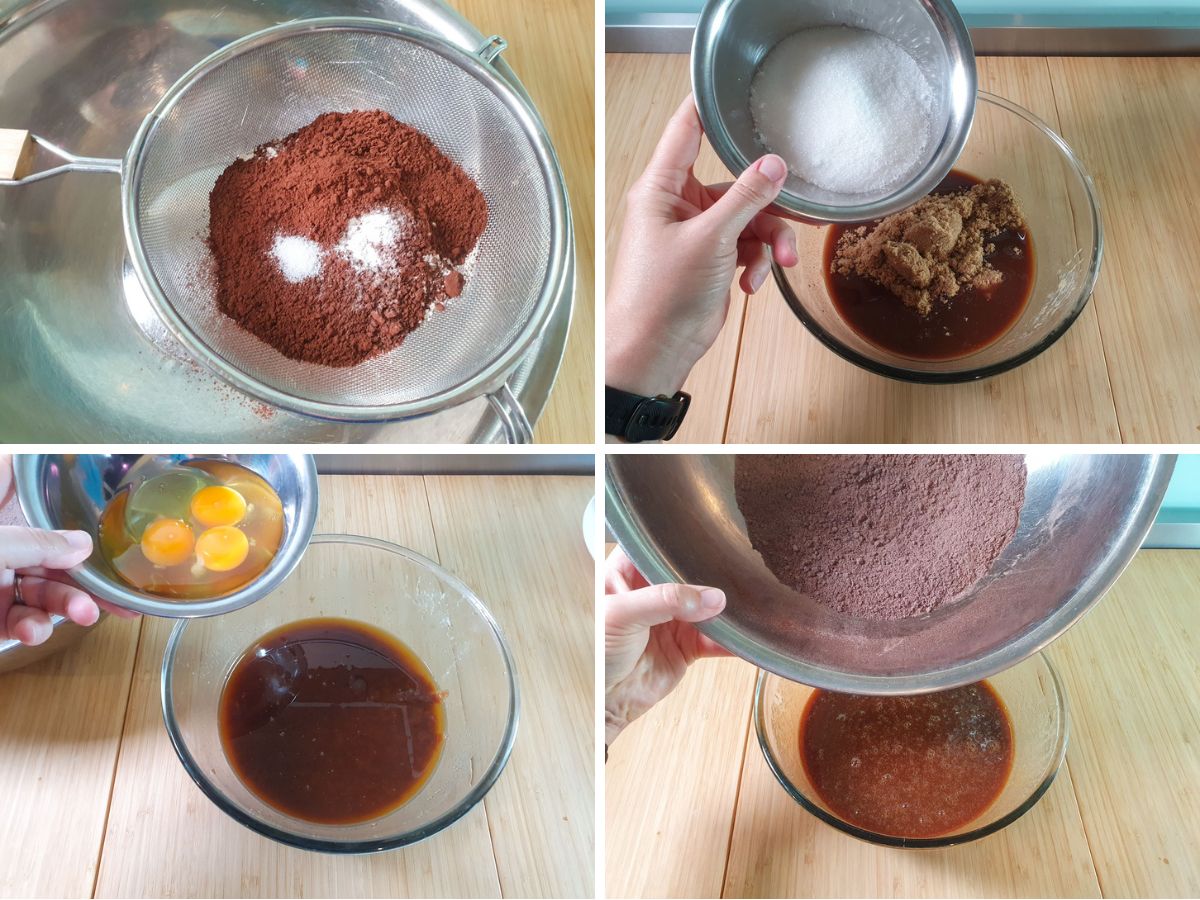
(938, 246)
(333, 244)
(880, 536)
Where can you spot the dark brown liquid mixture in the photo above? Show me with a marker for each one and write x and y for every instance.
(331, 721)
(969, 322)
(911, 767)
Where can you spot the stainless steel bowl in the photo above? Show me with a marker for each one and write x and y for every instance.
(67, 490)
(732, 38)
(1084, 517)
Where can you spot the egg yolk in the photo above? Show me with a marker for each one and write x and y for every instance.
(218, 505)
(167, 542)
(222, 548)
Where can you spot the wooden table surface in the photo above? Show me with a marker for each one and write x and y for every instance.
(1128, 369)
(693, 811)
(97, 804)
(551, 47)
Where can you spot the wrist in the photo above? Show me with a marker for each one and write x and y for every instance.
(646, 371)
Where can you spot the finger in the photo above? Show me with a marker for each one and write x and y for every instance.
(28, 625)
(117, 611)
(7, 484)
(23, 547)
(59, 599)
(679, 145)
(707, 648)
(620, 574)
(662, 603)
(755, 275)
(750, 195)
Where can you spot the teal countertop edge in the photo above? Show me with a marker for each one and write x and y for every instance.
(992, 14)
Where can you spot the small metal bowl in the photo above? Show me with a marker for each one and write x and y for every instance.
(69, 491)
(732, 38)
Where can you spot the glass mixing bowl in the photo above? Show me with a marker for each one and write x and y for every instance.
(1037, 712)
(391, 588)
(1060, 205)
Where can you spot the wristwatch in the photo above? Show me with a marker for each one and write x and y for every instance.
(636, 418)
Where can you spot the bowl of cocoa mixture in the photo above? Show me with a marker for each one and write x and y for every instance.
(887, 574)
(978, 278)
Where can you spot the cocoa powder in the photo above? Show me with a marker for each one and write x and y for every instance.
(317, 185)
(880, 537)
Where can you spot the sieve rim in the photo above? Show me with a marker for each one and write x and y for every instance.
(490, 374)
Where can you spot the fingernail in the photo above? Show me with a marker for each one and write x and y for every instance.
(773, 167)
(757, 279)
(39, 633)
(712, 598)
(77, 540)
(792, 243)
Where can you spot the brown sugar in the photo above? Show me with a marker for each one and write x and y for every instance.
(937, 247)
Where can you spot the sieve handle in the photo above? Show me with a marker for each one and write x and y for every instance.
(17, 152)
(513, 420)
(491, 48)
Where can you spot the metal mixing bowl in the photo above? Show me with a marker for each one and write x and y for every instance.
(66, 490)
(1083, 518)
(732, 38)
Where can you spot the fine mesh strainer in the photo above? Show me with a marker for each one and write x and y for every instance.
(257, 90)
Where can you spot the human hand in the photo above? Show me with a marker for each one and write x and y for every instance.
(33, 583)
(680, 248)
(649, 640)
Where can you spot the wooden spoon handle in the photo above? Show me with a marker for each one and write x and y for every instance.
(16, 153)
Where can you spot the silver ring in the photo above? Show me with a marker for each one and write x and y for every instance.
(18, 600)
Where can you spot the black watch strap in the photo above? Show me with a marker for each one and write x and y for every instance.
(636, 418)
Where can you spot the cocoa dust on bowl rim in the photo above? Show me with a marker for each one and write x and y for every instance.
(256, 90)
(394, 590)
(1058, 198)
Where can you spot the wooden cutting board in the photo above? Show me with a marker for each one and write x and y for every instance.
(97, 804)
(693, 811)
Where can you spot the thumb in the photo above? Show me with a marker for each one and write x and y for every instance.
(661, 603)
(755, 190)
(21, 548)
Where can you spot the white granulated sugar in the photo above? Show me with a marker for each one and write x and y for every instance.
(849, 110)
(368, 239)
(298, 258)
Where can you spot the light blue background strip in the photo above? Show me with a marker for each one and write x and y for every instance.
(999, 13)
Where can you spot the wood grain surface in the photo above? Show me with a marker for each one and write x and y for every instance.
(95, 793)
(551, 47)
(693, 811)
(1126, 370)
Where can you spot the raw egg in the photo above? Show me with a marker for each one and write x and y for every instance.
(218, 505)
(222, 548)
(167, 542)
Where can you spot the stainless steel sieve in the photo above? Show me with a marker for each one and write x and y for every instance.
(732, 38)
(264, 86)
(68, 490)
(1083, 518)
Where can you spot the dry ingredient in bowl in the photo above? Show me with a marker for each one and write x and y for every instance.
(333, 244)
(940, 245)
(880, 536)
(850, 110)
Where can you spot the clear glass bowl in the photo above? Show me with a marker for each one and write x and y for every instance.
(1037, 711)
(1060, 204)
(391, 588)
